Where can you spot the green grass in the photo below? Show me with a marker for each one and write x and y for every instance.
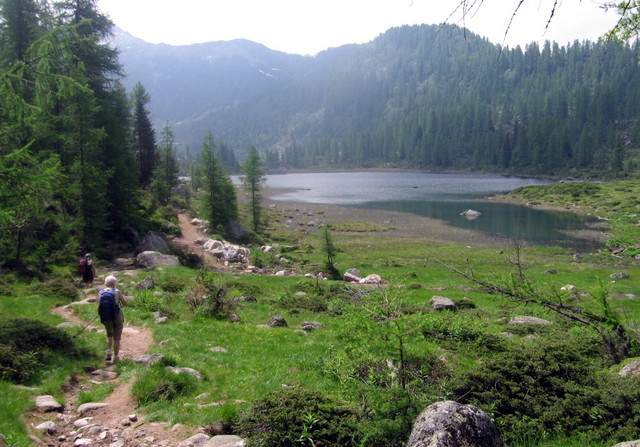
(358, 227)
(347, 357)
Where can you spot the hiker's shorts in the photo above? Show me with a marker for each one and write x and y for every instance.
(114, 327)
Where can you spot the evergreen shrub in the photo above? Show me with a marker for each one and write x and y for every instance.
(25, 346)
(59, 287)
(296, 416)
(552, 389)
(17, 366)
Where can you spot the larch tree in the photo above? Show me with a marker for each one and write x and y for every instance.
(252, 181)
(143, 135)
(220, 201)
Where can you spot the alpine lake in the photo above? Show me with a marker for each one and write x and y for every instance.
(442, 196)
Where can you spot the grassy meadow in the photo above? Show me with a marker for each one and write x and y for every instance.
(382, 353)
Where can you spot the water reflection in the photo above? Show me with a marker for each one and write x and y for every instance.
(440, 196)
(502, 219)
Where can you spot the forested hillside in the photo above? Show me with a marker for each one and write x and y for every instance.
(417, 96)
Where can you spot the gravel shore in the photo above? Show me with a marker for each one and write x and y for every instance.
(300, 215)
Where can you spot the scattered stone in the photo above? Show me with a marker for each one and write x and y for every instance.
(89, 406)
(225, 441)
(79, 423)
(277, 321)
(632, 369)
(95, 430)
(148, 359)
(568, 288)
(628, 444)
(577, 257)
(309, 326)
(83, 441)
(146, 284)
(551, 271)
(523, 319)
(48, 403)
(151, 259)
(198, 440)
(47, 427)
(153, 242)
(202, 396)
(450, 424)
(105, 375)
(193, 372)
(234, 317)
(263, 326)
(219, 349)
(371, 279)
(352, 275)
(160, 318)
(619, 276)
(236, 230)
(442, 303)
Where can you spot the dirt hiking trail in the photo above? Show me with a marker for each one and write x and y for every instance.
(118, 423)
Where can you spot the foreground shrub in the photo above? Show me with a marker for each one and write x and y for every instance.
(33, 335)
(552, 389)
(25, 346)
(157, 383)
(16, 366)
(295, 416)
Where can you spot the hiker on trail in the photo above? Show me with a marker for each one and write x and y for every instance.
(111, 316)
(87, 269)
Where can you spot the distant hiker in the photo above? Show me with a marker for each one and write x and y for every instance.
(111, 316)
(87, 270)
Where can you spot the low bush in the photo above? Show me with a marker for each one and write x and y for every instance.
(447, 326)
(33, 335)
(296, 416)
(25, 346)
(158, 383)
(17, 366)
(551, 389)
(209, 297)
(148, 301)
(297, 302)
(61, 288)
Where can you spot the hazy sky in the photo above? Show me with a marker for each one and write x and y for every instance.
(310, 26)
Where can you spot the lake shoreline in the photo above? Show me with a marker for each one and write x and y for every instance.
(307, 217)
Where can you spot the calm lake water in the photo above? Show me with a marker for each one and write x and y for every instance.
(438, 196)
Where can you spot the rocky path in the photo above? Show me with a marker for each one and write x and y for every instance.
(115, 421)
(187, 241)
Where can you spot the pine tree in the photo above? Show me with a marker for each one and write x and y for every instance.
(143, 135)
(220, 201)
(252, 180)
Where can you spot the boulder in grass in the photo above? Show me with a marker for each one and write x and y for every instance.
(153, 242)
(442, 303)
(151, 259)
(450, 424)
(523, 319)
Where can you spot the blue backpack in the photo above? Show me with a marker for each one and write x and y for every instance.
(108, 308)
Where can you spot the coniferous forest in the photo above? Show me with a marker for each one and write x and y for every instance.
(424, 97)
(81, 166)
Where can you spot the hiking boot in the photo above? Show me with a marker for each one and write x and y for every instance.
(116, 359)
(107, 356)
